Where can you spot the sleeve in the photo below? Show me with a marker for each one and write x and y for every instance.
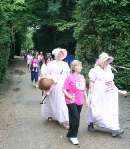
(85, 89)
(92, 74)
(66, 83)
(67, 69)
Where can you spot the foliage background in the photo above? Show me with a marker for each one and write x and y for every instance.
(105, 26)
(89, 26)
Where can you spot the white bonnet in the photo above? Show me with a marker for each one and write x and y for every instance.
(57, 50)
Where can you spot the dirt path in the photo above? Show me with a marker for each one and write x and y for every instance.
(21, 125)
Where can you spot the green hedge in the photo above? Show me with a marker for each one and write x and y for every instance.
(4, 55)
(4, 45)
(104, 26)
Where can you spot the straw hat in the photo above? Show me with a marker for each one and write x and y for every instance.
(45, 84)
(58, 50)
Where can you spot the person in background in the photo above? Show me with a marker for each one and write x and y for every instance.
(29, 60)
(35, 71)
(43, 69)
(69, 59)
(47, 59)
(40, 59)
(75, 94)
(55, 106)
(36, 53)
(103, 97)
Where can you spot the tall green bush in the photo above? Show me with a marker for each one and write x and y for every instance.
(10, 22)
(4, 44)
(4, 55)
(104, 26)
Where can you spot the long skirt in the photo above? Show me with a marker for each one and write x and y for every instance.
(103, 109)
(55, 105)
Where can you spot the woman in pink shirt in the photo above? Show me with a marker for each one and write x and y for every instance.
(35, 71)
(75, 94)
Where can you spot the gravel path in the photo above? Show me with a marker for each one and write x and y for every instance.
(21, 125)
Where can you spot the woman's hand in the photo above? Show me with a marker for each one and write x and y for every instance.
(68, 95)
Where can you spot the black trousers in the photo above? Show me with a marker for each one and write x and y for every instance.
(74, 119)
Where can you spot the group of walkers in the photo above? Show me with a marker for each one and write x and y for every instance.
(35, 60)
(65, 98)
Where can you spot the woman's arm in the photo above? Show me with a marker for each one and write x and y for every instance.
(91, 86)
(67, 94)
(85, 97)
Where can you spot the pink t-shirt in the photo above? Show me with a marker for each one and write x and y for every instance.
(75, 86)
(35, 62)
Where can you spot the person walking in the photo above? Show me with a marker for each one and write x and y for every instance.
(35, 71)
(103, 97)
(75, 94)
(55, 106)
(29, 61)
(40, 59)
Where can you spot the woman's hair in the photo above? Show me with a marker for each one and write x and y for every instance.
(73, 64)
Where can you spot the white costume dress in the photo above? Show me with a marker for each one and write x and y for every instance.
(43, 69)
(103, 101)
(55, 105)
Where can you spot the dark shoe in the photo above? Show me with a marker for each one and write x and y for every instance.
(116, 133)
(91, 127)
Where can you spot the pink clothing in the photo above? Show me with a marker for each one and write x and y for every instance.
(40, 58)
(75, 86)
(35, 62)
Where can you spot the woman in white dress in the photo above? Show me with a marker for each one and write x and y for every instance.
(55, 106)
(103, 97)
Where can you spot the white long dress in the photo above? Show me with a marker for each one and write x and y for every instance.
(103, 104)
(55, 105)
(43, 69)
